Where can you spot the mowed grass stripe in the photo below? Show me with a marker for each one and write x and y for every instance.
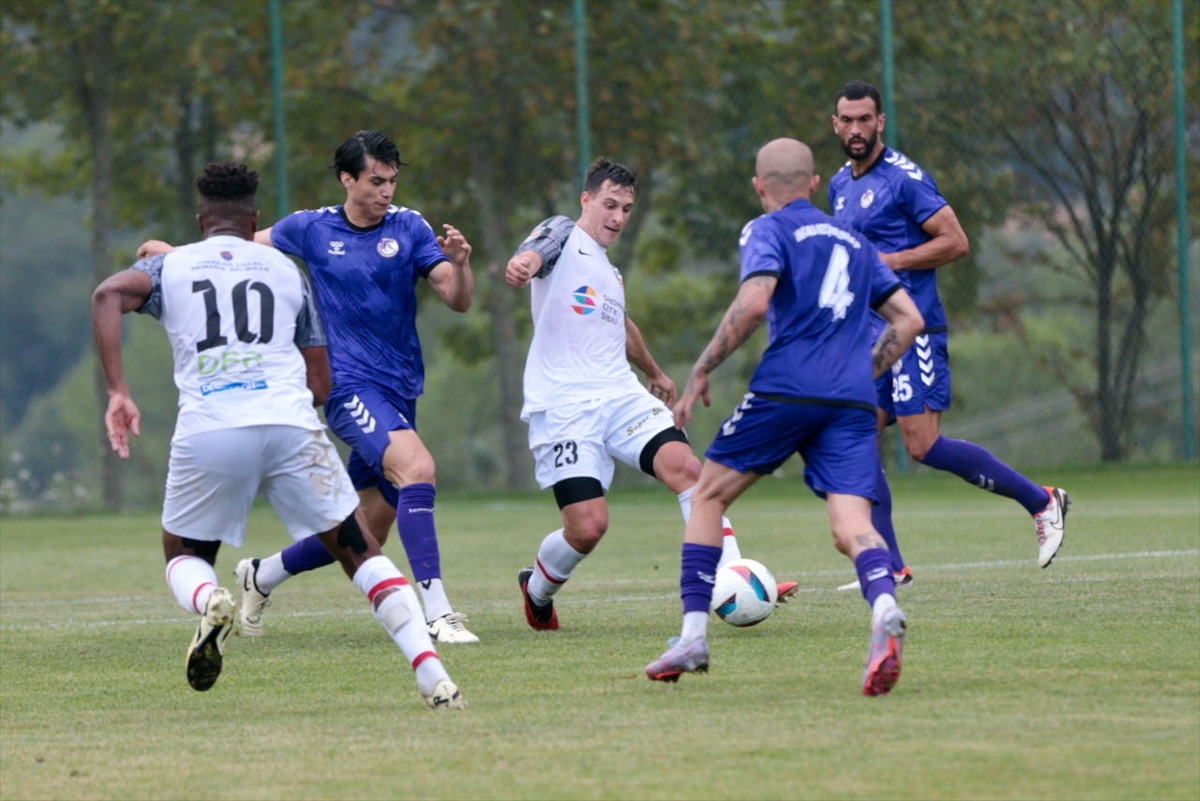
(1078, 681)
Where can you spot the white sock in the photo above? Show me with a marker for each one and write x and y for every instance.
(883, 604)
(433, 596)
(270, 573)
(191, 580)
(695, 626)
(412, 637)
(729, 545)
(556, 560)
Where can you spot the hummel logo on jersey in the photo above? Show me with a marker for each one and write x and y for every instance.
(841, 203)
(745, 237)
(730, 424)
(361, 414)
(337, 248)
(867, 198)
(925, 359)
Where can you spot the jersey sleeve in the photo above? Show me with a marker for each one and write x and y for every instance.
(153, 267)
(761, 251)
(920, 196)
(287, 235)
(427, 253)
(309, 333)
(547, 239)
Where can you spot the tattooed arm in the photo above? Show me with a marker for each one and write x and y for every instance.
(741, 320)
(904, 323)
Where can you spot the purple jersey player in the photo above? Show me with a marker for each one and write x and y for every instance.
(365, 258)
(815, 283)
(896, 205)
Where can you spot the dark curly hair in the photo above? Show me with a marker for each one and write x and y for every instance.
(227, 188)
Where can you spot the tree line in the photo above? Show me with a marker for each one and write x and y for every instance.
(1054, 116)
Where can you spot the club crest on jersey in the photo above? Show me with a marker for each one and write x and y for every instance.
(337, 248)
(585, 300)
(867, 198)
(387, 247)
(226, 255)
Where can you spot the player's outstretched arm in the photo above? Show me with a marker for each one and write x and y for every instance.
(120, 293)
(536, 256)
(153, 247)
(742, 318)
(522, 267)
(452, 280)
(904, 324)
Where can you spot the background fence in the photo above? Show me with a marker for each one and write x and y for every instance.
(1062, 133)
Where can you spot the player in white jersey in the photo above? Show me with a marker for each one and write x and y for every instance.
(249, 359)
(584, 406)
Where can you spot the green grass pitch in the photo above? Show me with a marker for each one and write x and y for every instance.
(1081, 681)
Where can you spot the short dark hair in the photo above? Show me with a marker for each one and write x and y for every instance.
(351, 155)
(602, 170)
(857, 90)
(228, 188)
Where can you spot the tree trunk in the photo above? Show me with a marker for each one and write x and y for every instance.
(498, 301)
(92, 65)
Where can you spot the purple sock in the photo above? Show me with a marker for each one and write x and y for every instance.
(881, 518)
(699, 561)
(307, 554)
(975, 465)
(414, 522)
(875, 574)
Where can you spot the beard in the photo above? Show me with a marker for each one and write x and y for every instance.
(869, 143)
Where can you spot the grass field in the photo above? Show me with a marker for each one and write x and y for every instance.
(1081, 681)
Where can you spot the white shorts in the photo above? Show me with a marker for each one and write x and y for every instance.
(581, 440)
(213, 477)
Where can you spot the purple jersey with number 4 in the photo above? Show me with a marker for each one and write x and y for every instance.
(818, 321)
(365, 282)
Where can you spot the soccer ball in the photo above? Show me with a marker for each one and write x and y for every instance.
(744, 593)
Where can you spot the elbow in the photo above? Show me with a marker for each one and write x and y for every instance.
(961, 246)
(320, 392)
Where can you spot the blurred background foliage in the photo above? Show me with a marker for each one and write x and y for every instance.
(1048, 125)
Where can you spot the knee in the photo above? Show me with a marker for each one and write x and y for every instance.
(584, 535)
(419, 469)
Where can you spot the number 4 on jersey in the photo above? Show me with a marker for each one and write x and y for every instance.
(835, 294)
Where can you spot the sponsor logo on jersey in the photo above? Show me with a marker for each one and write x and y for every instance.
(234, 386)
(867, 198)
(585, 300)
(226, 255)
(337, 248)
(387, 247)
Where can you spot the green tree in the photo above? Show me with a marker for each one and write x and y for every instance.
(1084, 134)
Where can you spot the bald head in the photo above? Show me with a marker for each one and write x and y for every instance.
(784, 173)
